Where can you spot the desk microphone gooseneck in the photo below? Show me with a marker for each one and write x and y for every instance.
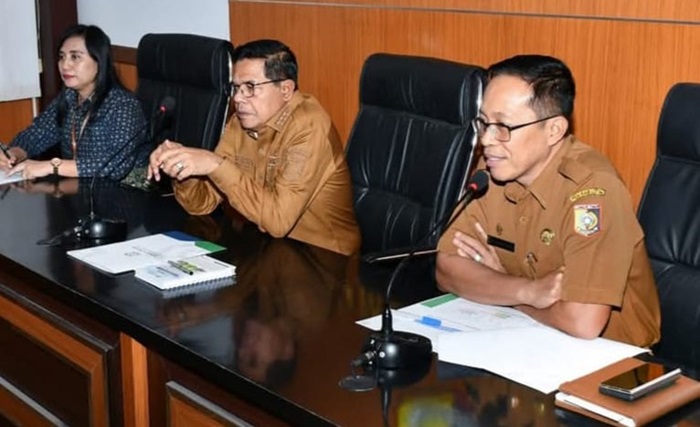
(94, 226)
(390, 349)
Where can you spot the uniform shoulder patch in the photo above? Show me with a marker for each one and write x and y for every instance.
(587, 219)
(587, 192)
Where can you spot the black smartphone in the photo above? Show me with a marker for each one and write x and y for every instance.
(640, 381)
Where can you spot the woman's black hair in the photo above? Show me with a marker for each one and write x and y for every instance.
(99, 48)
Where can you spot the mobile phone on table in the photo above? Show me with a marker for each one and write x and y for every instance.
(640, 381)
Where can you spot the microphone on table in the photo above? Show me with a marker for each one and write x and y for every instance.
(94, 226)
(389, 349)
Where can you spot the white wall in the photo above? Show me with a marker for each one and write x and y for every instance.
(125, 21)
(19, 51)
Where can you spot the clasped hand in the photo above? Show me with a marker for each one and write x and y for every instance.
(539, 293)
(181, 162)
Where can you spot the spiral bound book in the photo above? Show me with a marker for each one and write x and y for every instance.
(200, 271)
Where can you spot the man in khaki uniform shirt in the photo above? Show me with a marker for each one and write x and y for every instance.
(555, 235)
(280, 162)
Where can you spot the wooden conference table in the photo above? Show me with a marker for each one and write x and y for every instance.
(83, 348)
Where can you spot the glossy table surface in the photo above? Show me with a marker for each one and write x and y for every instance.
(283, 336)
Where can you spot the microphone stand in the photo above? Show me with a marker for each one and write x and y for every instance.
(107, 229)
(390, 349)
(95, 227)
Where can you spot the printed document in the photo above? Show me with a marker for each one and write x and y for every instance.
(144, 251)
(448, 314)
(504, 341)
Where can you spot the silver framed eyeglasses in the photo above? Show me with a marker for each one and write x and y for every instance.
(501, 131)
(247, 89)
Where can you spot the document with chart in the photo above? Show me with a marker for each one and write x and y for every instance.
(449, 314)
(504, 341)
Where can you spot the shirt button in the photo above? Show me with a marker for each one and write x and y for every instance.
(523, 220)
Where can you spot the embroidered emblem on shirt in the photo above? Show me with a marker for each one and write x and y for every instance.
(547, 236)
(587, 219)
(499, 229)
(587, 192)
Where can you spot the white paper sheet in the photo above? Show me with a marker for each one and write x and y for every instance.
(504, 341)
(537, 356)
(450, 314)
(144, 251)
(6, 179)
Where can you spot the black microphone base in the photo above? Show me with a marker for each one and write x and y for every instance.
(94, 227)
(398, 349)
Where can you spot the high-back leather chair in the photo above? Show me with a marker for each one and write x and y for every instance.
(196, 71)
(411, 146)
(669, 213)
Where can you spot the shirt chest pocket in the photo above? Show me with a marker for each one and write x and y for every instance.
(245, 164)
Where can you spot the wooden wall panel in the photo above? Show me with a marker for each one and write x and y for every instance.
(14, 116)
(651, 10)
(127, 74)
(623, 68)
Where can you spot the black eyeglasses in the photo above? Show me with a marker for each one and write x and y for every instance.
(247, 89)
(501, 131)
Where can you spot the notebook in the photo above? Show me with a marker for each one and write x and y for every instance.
(201, 271)
(582, 396)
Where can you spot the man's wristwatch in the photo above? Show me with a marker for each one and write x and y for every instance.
(56, 162)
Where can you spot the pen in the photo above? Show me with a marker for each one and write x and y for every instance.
(181, 267)
(435, 323)
(189, 266)
(5, 151)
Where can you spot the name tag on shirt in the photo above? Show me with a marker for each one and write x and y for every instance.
(500, 243)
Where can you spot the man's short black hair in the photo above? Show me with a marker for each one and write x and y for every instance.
(553, 86)
(280, 62)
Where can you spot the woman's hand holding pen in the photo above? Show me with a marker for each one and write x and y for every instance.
(11, 157)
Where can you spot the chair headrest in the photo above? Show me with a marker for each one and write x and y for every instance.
(679, 122)
(184, 59)
(423, 86)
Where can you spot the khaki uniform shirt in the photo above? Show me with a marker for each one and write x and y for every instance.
(290, 178)
(577, 214)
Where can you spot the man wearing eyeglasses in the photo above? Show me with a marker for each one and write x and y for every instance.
(280, 162)
(555, 235)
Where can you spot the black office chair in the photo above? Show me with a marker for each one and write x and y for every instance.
(669, 216)
(195, 71)
(411, 146)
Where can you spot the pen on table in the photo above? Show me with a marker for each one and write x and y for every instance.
(190, 266)
(430, 321)
(435, 323)
(181, 267)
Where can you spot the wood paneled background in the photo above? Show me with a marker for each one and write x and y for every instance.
(625, 55)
